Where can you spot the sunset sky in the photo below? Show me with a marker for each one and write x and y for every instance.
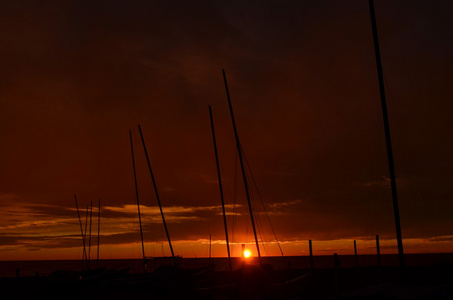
(76, 76)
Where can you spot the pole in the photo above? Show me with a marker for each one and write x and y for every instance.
(378, 250)
(89, 240)
(138, 202)
(356, 264)
(157, 195)
(399, 237)
(239, 149)
(310, 248)
(220, 187)
(99, 228)
(86, 222)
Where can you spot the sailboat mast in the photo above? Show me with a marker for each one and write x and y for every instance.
(89, 240)
(138, 202)
(157, 194)
(86, 222)
(99, 227)
(220, 186)
(81, 229)
(239, 149)
(388, 140)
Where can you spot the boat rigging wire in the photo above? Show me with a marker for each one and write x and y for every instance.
(261, 200)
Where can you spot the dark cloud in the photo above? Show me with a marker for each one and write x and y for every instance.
(77, 75)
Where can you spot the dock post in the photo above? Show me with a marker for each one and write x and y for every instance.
(356, 258)
(378, 253)
(311, 254)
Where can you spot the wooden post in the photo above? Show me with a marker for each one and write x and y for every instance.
(378, 251)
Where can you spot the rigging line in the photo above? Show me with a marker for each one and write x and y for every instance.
(244, 177)
(260, 230)
(258, 223)
(81, 229)
(261, 200)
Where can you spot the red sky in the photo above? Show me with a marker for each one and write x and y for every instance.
(77, 75)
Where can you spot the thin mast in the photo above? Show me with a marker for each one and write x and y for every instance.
(86, 222)
(220, 186)
(81, 229)
(138, 202)
(157, 194)
(89, 240)
(239, 149)
(99, 227)
(388, 141)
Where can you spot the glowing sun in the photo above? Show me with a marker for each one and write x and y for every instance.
(247, 253)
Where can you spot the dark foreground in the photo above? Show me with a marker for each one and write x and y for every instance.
(245, 282)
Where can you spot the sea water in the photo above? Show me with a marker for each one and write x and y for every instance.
(45, 268)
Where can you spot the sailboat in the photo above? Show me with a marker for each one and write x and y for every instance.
(165, 278)
(258, 280)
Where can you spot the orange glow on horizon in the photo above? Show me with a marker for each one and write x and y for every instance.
(200, 249)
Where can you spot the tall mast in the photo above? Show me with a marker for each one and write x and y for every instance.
(89, 240)
(138, 202)
(239, 149)
(99, 227)
(388, 141)
(157, 195)
(86, 222)
(220, 186)
(84, 254)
